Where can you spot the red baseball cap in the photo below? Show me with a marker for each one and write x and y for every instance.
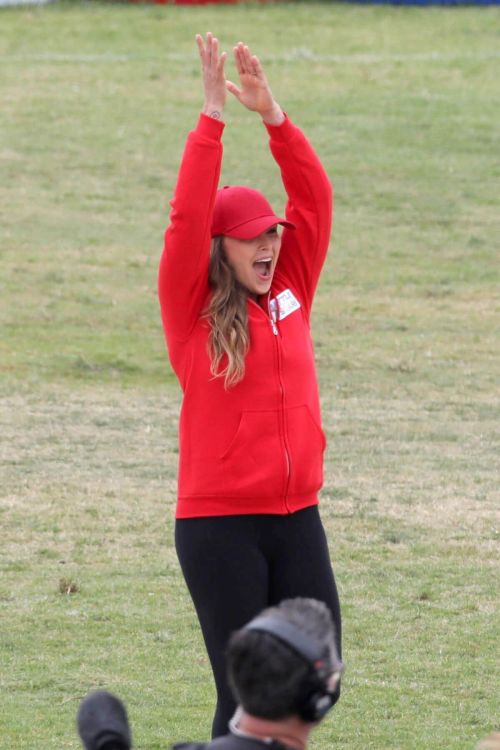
(243, 213)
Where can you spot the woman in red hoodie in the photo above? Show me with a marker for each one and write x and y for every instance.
(236, 299)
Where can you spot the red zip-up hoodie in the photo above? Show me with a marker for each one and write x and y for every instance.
(258, 446)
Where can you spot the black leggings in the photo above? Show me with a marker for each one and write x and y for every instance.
(234, 566)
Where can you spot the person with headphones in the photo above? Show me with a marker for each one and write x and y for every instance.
(284, 670)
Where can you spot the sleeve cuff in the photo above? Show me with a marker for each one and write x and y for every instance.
(281, 132)
(210, 127)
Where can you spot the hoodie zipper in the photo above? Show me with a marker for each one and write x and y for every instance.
(286, 455)
(272, 316)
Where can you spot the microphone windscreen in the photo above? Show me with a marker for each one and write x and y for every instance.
(102, 722)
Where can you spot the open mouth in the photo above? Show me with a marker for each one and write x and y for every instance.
(263, 267)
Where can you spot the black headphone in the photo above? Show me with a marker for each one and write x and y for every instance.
(315, 699)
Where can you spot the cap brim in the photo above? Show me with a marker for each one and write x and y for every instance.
(254, 227)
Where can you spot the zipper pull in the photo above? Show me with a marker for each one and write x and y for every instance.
(274, 326)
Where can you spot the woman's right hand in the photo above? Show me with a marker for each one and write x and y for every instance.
(214, 80)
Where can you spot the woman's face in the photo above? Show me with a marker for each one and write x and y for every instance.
(253, 261)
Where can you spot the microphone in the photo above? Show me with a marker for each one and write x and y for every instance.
(102, 722)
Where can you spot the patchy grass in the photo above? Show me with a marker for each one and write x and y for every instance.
(402, 105)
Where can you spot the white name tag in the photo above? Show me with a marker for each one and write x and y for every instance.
(287, 303)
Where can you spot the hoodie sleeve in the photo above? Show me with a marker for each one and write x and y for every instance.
(183, 271)
(309, 207)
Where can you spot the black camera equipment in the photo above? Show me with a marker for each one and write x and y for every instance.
(102, 722)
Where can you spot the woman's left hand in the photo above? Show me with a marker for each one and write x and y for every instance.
(254, 92)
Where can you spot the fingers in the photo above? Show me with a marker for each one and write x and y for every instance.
(221, 62)
(209, 52)
(258, 67)
(201, 46)
(214, 79)
(246, 63)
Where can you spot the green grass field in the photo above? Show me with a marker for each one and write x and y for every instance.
(403, 107)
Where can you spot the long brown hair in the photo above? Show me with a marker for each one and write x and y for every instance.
(229, 338)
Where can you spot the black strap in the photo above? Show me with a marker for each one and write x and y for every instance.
(288, 634)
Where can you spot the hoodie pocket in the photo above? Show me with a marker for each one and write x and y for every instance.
(253, 464)
(307, 443)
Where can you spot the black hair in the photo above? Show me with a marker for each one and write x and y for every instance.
(267, 676)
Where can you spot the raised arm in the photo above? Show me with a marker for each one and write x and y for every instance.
(309, 207)
(183, 272)
(310, 197)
